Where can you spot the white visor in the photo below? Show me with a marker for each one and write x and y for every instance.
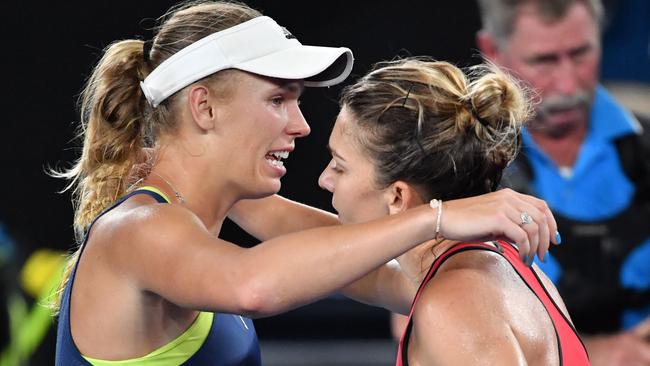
(259, 46)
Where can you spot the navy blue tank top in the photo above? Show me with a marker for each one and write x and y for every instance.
(232, 340)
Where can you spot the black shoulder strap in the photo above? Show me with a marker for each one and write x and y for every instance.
(634, 155)
(519, 174)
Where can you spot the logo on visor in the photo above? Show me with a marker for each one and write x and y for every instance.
(288, 34)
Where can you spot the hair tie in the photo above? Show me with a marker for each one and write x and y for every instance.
(146, 49)
(476, 116)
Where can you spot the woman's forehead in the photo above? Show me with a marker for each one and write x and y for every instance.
(344, 138)
(344, 121)
(341, 128)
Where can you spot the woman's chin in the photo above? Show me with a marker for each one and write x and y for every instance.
(268, 189)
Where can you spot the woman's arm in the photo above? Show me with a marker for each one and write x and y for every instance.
(386, 286)
(169, 252)
(273, 216)
(266, 218)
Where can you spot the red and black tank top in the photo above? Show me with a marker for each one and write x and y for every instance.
(570, 348)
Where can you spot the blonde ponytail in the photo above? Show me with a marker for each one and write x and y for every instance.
(112, 125)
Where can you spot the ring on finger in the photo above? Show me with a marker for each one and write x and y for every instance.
(525, 218)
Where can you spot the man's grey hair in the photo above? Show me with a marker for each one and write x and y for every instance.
(498, 16)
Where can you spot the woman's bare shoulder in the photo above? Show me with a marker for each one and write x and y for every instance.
(462, 285)
(461, 312)
(142, 226)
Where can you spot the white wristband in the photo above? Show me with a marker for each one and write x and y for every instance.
(437, 204)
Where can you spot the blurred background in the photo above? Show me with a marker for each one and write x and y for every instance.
(49, 50)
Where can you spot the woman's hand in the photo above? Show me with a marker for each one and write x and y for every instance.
(501, 215)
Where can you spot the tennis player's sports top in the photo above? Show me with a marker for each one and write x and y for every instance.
(213, 339)
(571, 350)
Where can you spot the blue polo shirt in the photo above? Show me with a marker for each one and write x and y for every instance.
(597, 189)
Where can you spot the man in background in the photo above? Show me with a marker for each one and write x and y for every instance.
(588, 158)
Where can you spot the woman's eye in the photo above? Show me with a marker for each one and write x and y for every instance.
(277, 101)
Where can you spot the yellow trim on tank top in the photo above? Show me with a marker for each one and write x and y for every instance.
(155, 190)
(175, 352)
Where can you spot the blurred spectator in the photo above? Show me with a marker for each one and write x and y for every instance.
(588, 158)
(26, 332)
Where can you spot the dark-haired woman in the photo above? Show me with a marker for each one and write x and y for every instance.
(416, 131)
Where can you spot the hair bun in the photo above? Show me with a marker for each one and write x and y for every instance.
(497, 100)
(499, 107)
(475, 115)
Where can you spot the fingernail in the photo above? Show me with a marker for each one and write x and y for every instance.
(558, 238)
(543, 259)
(525, 259)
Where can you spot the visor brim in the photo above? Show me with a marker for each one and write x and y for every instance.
(317, 66)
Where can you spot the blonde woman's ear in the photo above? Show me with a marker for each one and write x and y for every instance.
(401, 196)
(199, 99)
